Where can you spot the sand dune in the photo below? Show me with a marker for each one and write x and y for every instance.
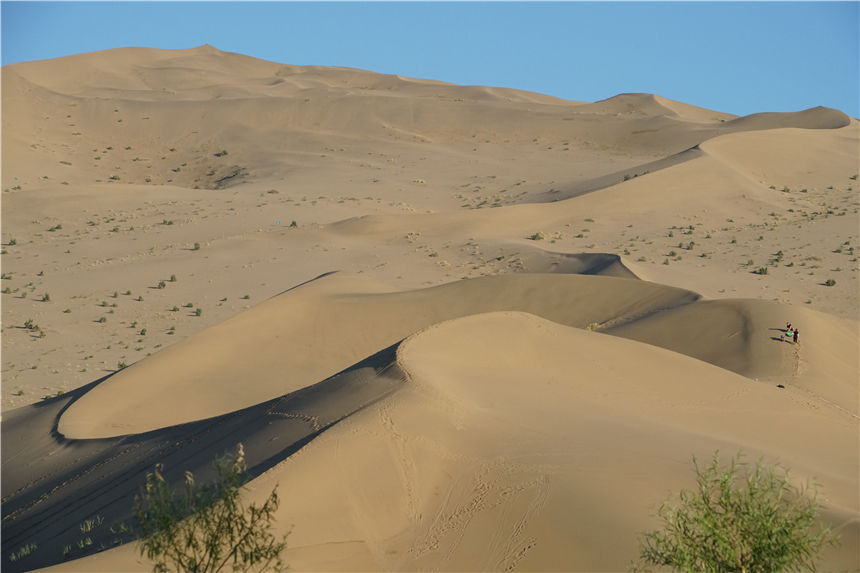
(814, 118)
(463, 327)
(346, 316)
(507, 478)
(510, 480)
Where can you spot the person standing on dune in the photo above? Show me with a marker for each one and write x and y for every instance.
(795, 336)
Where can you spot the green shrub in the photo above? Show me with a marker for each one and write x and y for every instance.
(738, 519)
(829, 282)
(208, 528)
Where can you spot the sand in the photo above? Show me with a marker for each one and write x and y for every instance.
(461, 328)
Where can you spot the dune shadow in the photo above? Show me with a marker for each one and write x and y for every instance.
(53, 484)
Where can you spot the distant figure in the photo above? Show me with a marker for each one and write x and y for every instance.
(788, 327)
(795, 336)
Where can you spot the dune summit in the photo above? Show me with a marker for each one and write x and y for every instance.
(460, 328)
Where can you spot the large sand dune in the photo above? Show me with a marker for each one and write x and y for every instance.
(462, 328)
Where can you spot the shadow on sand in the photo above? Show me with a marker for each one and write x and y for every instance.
(52, 484)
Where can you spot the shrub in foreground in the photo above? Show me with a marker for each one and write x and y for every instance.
(207, 528)
(738, 519)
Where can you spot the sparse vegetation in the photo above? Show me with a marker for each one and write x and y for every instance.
(829, 282)
(22, 552)
(738, 519)
(90, 524)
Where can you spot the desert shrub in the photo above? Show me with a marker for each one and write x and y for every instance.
(208, 528)
(738, 519)
(829, 282)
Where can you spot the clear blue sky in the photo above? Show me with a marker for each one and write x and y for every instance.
(736, 57)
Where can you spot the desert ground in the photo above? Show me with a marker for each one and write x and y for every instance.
(459, 328)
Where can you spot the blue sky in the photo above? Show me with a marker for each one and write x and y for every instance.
(735, 57)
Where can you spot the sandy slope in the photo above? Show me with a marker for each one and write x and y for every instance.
(183, 210)
(543, 445)
(522, 444)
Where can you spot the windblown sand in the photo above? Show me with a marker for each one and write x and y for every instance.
(460, 328)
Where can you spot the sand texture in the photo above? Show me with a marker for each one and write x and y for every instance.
(460, 328)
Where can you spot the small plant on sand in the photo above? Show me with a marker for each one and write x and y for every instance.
(198, 311)
(536, 237)
(208, 528)
(90, 524)
(829, 282)
(161, 284)
(739, 518)
(173, 278)
(23, 552)
(196, 247)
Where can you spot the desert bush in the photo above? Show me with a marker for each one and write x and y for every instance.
(208, 528)
(829, 282)
(738, 519)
